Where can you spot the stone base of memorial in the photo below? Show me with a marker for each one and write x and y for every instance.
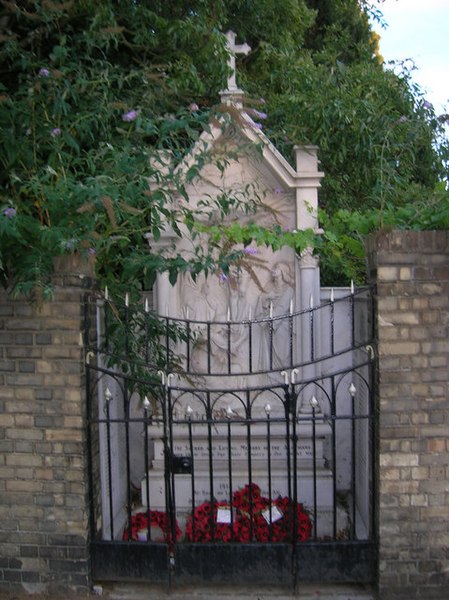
(220, 464)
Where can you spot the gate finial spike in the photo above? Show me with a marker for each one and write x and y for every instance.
(352, 389)
(230, 412)
(315, 404)
(268, 408)
(108, 395)
(162, 376)
(146, 405)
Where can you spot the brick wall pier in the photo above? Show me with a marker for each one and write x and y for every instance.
(412, 273)
(43, 482)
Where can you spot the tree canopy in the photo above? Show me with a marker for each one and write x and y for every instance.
(91, 91)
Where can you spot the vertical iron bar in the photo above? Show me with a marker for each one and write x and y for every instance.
(312, 334)
(171, 530)
(293, 504)
(229, 348)
(353, 466)
(211, 464)
(230, 473)
(188, 345)
(106, 324)
(170, 403)
(146, 337)
(167, 344)
(269, 474)
(287, 438)
(352, 319)
(332, 323)
(250, 465)
(127, 329)
(334, 458)
(290, 328)
(271, 343)
(192, 487)
(126, 402)
(295, 466)
(146, 424)
(373, 446)
(209, 348)
(250, 346)
(108, 443)
(315, 512)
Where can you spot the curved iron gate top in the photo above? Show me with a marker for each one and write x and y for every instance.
(221, 470)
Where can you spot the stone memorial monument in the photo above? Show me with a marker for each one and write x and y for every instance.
(240, 341)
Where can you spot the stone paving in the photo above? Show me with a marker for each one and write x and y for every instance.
(305, 592)
(135, 591)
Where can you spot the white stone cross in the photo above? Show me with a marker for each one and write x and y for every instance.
(234, 49)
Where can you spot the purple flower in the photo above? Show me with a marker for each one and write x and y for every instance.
(193, 107)
(257, 126)
(130, 116)
(259, 115)
(43, 72)
(55, 132)
(427, 105)
(10, 212)
(222, 277)
(249, 250)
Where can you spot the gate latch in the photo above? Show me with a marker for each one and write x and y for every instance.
(181, 464)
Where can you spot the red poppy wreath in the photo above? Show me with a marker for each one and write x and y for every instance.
(250, 517)
(143, 522)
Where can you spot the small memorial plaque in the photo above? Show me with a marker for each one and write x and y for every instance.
(272, 514)
(224, 515)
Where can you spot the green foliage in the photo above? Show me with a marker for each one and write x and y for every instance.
(93, 94)
(342, 247)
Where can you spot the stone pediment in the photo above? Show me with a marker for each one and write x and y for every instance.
(236, 158)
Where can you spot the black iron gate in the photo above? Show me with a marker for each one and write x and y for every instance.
(239, 475)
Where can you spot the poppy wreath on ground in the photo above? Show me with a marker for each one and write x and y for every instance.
(145, 521)
(253, 519)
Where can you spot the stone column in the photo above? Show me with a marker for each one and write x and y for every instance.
(43, 470)
(307, 295)
(308, 183)
(165, 298)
